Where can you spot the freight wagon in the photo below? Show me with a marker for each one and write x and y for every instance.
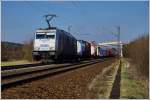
(83, 49)
(106, 52)
(87, 49)
(103, 52)
(80, 48)
(93, 49)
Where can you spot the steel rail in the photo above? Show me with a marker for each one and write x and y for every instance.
(10, 67)
(12, 72)
(19, 77)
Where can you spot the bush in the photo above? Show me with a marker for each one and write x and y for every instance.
(11, 51)
(27, 50)
(138, 51)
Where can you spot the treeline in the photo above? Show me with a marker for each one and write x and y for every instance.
(15, 51)
(138, 51)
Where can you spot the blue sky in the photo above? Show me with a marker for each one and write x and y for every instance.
(91, 20)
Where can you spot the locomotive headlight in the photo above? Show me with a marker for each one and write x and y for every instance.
(36, 48)
(51, 48)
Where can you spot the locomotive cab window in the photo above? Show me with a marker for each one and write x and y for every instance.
(50, 36)
(40, 36)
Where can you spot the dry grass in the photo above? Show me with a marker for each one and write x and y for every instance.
(131, 88)
(15, 62)
(138, 51)
(101, 85)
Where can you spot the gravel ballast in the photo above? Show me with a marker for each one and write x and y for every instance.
(68, 85)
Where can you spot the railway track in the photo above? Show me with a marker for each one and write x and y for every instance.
(10, 67)
(19, 66)
(16, 76)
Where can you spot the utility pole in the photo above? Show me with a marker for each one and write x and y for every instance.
(119, 44)
(118, 39)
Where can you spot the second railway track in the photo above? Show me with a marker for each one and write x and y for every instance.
(11, 67)
(16, 76)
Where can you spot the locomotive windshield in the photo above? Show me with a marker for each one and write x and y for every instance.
(40, 36)
(50, 36)
(44, 36)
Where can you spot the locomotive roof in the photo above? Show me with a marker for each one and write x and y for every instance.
(45, 29)
(54, 28)
(67, 33)
(83, 41)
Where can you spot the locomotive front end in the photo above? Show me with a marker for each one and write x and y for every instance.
(44, 44)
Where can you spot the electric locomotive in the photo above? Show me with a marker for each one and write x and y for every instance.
(54, 44)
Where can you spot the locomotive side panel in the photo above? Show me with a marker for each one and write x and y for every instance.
(66, 45)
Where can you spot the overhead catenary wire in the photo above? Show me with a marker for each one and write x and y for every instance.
(95, 31)
(34, 7)
(69, 27)
(117, 35)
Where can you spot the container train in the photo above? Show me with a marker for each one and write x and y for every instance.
(56, 44)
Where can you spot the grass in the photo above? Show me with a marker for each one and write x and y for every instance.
(19, 62)
(102, 84)
(130, 87)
